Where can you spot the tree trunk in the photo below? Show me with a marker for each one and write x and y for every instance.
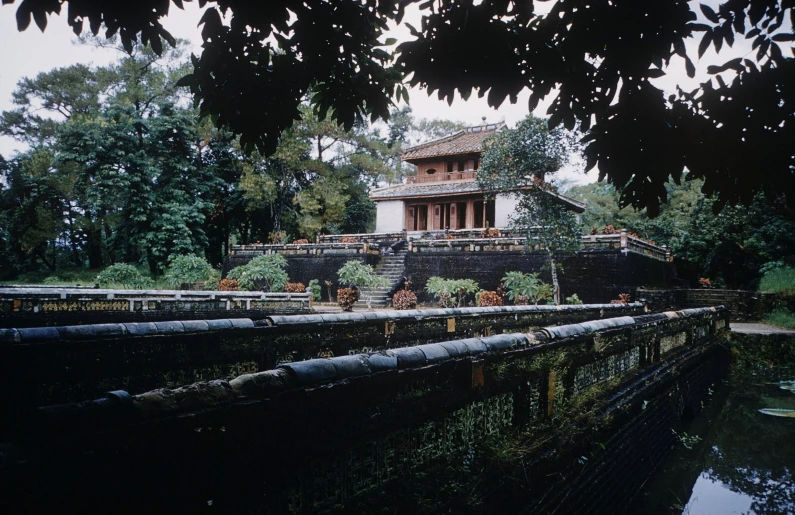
(94, 246)
(554, 272)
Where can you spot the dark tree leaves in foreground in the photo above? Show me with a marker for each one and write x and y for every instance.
(596, 58)
(519, 160)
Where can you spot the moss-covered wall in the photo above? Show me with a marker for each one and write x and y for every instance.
(383, 430)
(49, 365)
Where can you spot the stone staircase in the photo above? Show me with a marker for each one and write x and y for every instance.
(391, 267)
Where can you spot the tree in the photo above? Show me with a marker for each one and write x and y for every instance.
(597, 58)
(732, 248)
(518, 160)
(31, 211)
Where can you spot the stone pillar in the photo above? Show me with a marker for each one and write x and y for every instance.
(624, 241)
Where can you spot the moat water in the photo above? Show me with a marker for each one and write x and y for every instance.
(731, 459)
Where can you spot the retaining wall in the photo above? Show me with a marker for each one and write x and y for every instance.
(335, 434)
(597, 275)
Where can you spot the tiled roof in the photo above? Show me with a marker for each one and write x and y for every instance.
(425, 190)
(453, 188)
(465, 141)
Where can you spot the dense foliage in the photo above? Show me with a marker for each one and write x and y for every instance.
(122, 275)
(262, 273)
(189, 269)
(733, 248)
(119, 169)
(519, 160)
(524, 288)
(598, 60)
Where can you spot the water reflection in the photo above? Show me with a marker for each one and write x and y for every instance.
(743, 465)
(711, 496)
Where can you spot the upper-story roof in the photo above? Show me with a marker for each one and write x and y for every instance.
(465, 141)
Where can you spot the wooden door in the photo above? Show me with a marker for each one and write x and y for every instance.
(437, 217)
(453, 218)
(410, 217)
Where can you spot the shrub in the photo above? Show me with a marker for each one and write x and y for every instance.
(265, 273)
(704, 282)
(124, 275)
(525, 288)
(358, 275)
(404, 299)
(623, 298)
(315, 288)
(347, 297)
(302, 241)
(487, 298)
(294, 287)
(228, 285)
(451, 292)
(574, 299)
(188, 269)
(778, 280)
(348, 239)
(491, 233)
(276, 238)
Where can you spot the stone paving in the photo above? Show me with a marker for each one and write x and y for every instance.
(758, 328)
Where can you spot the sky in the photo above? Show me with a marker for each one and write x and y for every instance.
(31, 52)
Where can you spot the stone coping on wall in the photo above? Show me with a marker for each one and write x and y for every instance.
(389, 315)
(303, 249)
(99, 331)
(65, 293)
(466, 240)
(49, 300)
(315, 373)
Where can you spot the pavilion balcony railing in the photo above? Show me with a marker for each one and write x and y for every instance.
(466, 175)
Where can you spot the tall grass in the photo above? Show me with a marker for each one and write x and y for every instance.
(781, 317)
(780, 280)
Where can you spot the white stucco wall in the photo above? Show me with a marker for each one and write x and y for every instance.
(389, 216)
(504, 208)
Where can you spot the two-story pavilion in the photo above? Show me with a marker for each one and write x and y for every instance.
(445, 193)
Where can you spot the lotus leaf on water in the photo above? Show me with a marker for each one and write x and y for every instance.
(789, 413)
(787, 385)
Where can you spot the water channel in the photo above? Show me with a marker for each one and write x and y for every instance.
(732, 459)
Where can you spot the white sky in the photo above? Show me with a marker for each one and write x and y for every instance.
(32, 52)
